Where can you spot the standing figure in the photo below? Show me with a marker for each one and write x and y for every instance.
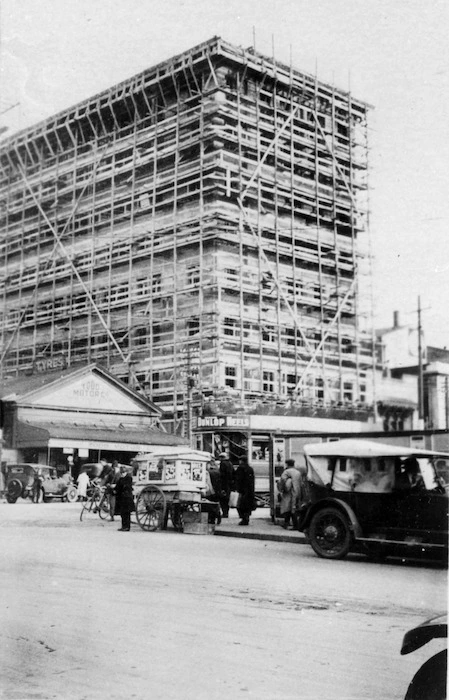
(37, 487)
(244, 484)
(124, 501)
(82, 482)
(289, 486)
(110, 482)
(227, 482)
(213, 490)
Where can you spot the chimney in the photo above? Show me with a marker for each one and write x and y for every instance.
(396, 319)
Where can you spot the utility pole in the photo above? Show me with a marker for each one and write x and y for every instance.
(446, 400)
(420, 367)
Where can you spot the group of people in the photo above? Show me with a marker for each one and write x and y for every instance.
(117, 480)
(223, 479)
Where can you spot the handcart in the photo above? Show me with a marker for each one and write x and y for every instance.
(170, 482)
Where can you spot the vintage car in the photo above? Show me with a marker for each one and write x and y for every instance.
(37, 481)
(430, 681)
(372, 497)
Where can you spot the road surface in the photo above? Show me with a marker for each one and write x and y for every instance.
(89, 613)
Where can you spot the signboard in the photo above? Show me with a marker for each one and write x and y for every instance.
(47, 364)
(88, 392)
(236, 422)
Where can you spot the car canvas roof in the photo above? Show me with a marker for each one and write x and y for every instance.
(365, 448)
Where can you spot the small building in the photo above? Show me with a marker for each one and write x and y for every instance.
(76, 416)
(398, 388)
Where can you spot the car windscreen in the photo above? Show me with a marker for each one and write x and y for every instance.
(359, 474)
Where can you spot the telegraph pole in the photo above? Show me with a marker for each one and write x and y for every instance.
(420, 367)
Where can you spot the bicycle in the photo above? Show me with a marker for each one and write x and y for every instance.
(98, 502)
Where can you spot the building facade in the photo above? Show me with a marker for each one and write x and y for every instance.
(201, 231)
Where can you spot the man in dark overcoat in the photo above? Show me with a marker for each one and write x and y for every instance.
(124, 501)
(244, 484)
(227, 482)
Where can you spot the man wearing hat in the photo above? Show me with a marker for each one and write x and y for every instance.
(227, 482)
(289, 486)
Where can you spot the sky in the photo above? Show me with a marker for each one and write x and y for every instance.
(393, 54)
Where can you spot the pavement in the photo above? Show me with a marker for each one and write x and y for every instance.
(261, 527)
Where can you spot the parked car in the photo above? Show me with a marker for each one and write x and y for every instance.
(59, 487)
(430, 681)
(28, 479)
(374, 497)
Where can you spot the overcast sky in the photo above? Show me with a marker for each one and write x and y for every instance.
(394, 54)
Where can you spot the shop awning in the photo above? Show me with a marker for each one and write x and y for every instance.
(100, 436)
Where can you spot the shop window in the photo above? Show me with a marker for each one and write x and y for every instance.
(259, 449)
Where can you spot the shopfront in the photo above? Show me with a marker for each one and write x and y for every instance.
(253, 436)
(66, 419)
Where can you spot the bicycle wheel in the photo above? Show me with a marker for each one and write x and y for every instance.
(90, 507)
(104, 507)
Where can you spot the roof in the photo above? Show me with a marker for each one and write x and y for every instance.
(16, 389)
(396, 401)
(27, 432)
(437, 354)
(181, 452)
(216, 46)
(365, 448)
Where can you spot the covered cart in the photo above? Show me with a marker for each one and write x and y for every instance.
(169, 482)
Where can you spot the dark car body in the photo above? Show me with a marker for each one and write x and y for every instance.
(430, 681)
(26, 479)
(360, 496)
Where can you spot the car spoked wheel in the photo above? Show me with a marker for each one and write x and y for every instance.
(14, 491)
(71, 494)
(330, 535)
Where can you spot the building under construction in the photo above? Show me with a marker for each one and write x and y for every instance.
(200, 230)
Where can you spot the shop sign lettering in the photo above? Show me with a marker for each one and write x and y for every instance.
(223, 422)
(47, 364)
(90, 390)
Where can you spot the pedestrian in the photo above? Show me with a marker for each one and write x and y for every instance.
(82, 483)
(37, 487)
(213, 490)
(110, 482)
(289, 486)
(244, 484)
(227, 482)
(124, 501)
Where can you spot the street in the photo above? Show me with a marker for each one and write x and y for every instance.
(90, 613)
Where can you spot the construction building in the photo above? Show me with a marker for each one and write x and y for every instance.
(200, 230)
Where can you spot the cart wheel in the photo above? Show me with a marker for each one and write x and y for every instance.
(150, 508)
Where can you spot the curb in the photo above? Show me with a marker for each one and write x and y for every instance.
(298, 538)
